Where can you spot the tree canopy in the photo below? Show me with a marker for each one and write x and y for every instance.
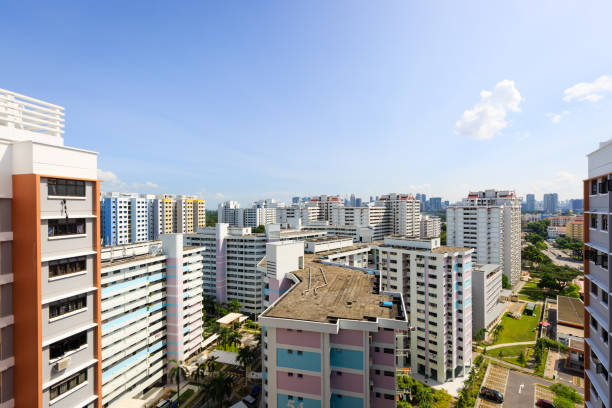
(539, 227)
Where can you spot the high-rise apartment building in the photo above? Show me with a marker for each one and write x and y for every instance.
(486, 291)
(259, 213)
(576, 205)
(530, 202)
(436, 282)
(151, 313)
(405, 213)
(598, 362)
(131, 218)
(330, 339)
(551, 203)
(231, 258)
(50, 349)
(431, 227)
(490, 222)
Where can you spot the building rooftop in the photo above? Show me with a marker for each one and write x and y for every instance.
(576, 344)
(136, 258)
(329, 238)
(571, 311)
(348, 294)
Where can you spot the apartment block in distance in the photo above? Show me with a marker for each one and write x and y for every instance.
(49, 258)
(231, 257)
(490, 222)
(151, 313)
(597, 241)
(436, 283)
(330, 338)
(131, 218)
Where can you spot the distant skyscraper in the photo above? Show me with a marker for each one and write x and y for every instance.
(295, 200)
(576, 205)
(530, 203)
(435, 203)
(551, 202)
(358, 202)
(352, 200)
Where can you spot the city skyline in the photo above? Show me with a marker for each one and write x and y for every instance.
(371, 82)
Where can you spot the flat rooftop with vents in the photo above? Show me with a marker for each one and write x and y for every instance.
(326, 293)
(570, 311)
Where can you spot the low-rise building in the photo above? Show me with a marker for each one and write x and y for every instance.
(555, 232)
(575, 230)
(570, 330)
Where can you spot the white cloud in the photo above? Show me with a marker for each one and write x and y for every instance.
(488, 117)
(112, 182)
(589, 91)
(219, 196)
(556, 117)
(108, 176)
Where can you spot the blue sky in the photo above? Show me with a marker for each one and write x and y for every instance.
(252, 99)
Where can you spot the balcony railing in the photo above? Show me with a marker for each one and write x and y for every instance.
(22, 112)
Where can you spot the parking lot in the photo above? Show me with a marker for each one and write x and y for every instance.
(544, 393)
(495, 379)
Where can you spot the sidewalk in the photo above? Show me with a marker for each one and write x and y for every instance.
(551, 362)
(523, 343)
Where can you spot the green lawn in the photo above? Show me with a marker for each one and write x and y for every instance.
(515, 331)
(511, 354)
(531, 293)
(231, 348)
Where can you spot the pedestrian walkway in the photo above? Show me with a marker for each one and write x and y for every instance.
(551, 362)
(524, 343)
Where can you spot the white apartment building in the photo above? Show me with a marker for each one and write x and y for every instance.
(231, 258)
(490, 222)
(307, 213)
(130, 218)
(151, 312)
(50, 352)
(431, 227)
(436, 282)
(486, 291)
(597, 319)
(230, 213)
(392, 214)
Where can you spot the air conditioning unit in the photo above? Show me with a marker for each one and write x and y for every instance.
(62, 364)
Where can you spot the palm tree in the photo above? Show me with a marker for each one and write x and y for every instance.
(224, 333)
(200, 373)
(234, 338)
(211, 363)
(177, 371)
(234, 306)
(246, 357)
(218, 388)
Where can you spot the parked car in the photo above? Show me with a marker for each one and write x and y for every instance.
(542, 403)
(491, 395)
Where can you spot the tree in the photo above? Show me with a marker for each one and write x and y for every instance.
(480, 334)
(234, 338)
(234, 306)
(218, 388)
(539, 227)
(534, 255)
(211, 364)
(259, 229)
(211, 218)
(177, 372)
(224, 334)
(522, 359)
(246, 357)
(443, 235)
(200, 373)
(506, 282)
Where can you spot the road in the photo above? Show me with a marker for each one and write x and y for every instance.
(520, 389)
(565, 260)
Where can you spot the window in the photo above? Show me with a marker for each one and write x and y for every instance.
(593, 186)
(67, 266)
(389, 397)
(604, 297)
(68, 384)
(593, 288)
(61, 187)
(70, 226)
(389, 374)
(67, 305)
(604, 335)
(604, 260)
(59, 348)
(388, 351)
(593, 221)
(604, 222)
(593, 322)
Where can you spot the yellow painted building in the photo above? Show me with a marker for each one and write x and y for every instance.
(575, 230)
